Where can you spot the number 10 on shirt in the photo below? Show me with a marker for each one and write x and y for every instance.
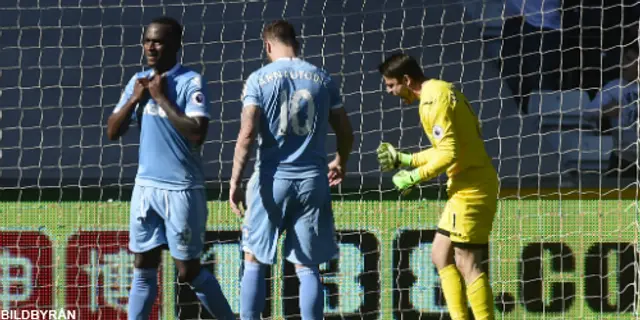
(290, 112)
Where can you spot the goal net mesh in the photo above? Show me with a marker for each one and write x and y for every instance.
(556, 94)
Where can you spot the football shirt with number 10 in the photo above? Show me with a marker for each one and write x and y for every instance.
(294, 98)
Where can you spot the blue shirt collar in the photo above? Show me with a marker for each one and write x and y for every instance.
(288, 59)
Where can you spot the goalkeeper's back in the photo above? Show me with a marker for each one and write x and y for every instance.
(295, 98)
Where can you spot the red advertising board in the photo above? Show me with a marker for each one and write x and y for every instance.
(99, 269)
(26, 271)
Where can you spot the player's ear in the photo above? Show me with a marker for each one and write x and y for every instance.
(267, 46)
(406, 80)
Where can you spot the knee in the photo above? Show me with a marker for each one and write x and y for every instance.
(468, 263)
(187, 271)
(186, 276)
(252, 266)
(464, 266)
(147, 260)
(248, 257)
(438, 260)
(302, 270)
(441, 257)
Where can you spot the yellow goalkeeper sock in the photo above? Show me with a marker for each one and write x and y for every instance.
(453, 290)
(481, 298)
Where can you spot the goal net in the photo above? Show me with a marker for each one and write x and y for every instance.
(556, 94)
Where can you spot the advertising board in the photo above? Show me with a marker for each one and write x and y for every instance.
(547, 259)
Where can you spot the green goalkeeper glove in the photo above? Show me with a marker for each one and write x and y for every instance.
(404, 180)
(389, 158)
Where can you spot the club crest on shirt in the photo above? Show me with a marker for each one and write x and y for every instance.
(437, 132)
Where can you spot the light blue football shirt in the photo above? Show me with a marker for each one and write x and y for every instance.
(167, 160)
(295, 98)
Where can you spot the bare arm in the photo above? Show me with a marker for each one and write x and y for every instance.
(118, 122)
(341, 125)
(250, 121)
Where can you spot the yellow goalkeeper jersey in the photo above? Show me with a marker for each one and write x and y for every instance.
(454, 131)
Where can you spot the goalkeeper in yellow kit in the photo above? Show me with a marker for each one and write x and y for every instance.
(461, 242)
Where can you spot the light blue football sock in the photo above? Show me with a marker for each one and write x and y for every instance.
(252, 291)
(311, 295)
(210, 294)
(144, 289)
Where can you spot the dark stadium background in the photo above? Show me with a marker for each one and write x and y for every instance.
(64, 64)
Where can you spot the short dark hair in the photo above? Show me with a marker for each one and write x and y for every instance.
(282, 31)
(400, 64)
(174, 25)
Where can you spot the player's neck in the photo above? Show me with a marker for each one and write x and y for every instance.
(417, 89)
(160, 69)
(284, 53)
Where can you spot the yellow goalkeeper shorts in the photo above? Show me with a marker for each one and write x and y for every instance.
(468, 215)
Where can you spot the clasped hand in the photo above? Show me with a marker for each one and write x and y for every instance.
(390, 159)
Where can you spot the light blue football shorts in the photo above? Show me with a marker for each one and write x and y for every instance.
(167, 217)
(299, 207)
